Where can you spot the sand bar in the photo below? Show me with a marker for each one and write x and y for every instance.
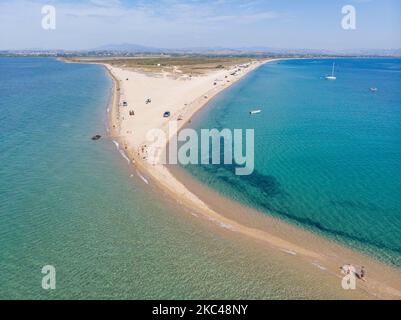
(183, 96)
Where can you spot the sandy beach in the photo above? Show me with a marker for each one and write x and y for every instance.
(183, 95)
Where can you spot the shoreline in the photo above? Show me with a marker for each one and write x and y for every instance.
(181, 190)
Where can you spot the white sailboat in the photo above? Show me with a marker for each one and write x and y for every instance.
(332, 77)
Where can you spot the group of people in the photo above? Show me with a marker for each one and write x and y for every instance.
(350, 269)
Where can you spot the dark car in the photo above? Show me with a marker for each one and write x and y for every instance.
(166, 114)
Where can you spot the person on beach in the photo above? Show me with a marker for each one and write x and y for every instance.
(350, 269)
(346, 269)
(362, 274)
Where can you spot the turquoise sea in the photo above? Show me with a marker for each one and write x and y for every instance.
(328, 161)
(327, 153)
(72, 203)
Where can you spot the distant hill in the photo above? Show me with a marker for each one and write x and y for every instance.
(135, 48)
(126, 47)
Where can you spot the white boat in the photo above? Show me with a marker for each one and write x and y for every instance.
(332, 77)
(373, 89)
(255, 111)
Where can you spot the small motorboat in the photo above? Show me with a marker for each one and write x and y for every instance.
(373, 89)
(255, 111)
(96, 137)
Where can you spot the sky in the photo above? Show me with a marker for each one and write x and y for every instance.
(298, 24)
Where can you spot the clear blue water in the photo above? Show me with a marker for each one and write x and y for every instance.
(72, 203)
(327, 153)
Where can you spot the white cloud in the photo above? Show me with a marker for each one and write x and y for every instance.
(106, 3)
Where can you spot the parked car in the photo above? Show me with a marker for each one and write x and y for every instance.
(166, 114)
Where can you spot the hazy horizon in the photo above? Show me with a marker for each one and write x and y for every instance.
(106, 46)
(176, 24)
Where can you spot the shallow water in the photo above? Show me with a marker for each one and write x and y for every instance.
(327, 153)
(72, 203)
